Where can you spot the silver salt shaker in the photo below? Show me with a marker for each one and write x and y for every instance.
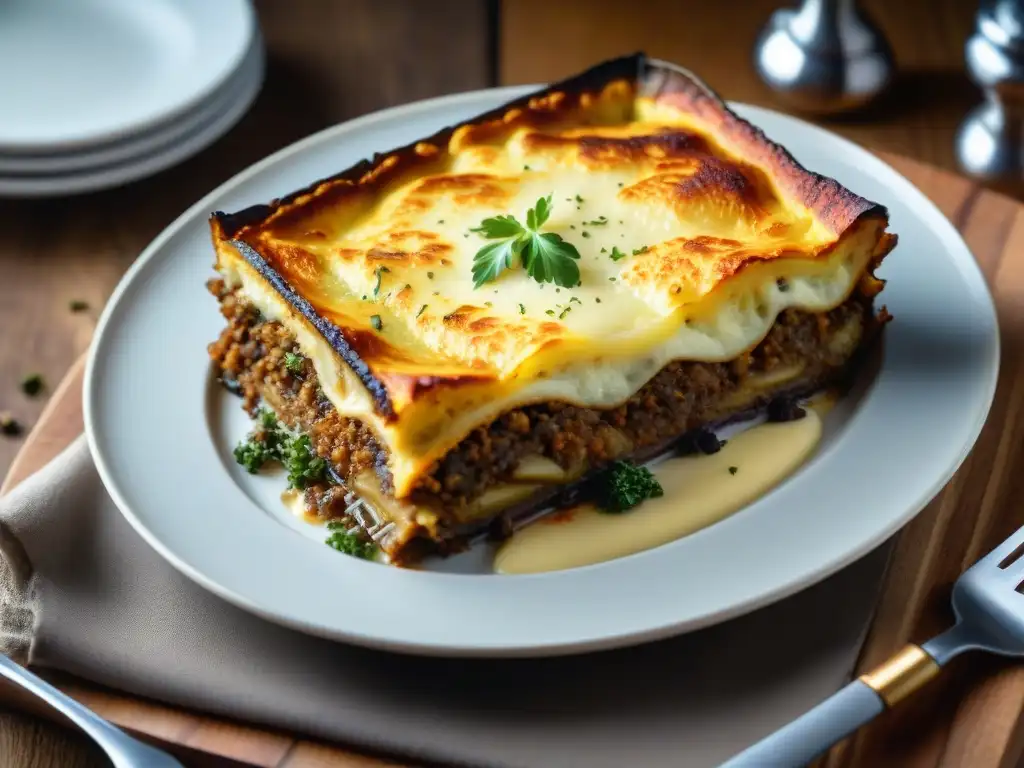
(990, 140)
(825, 56)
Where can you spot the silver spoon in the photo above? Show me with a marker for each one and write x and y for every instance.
(988, 600)
(123, 750)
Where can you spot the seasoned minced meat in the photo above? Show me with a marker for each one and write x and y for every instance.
(681, 397)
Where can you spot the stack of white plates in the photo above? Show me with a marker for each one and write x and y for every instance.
(97, 93)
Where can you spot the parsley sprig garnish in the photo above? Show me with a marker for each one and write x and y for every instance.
(545, 256)
(624, 485)
(349, 542)
(271, 441)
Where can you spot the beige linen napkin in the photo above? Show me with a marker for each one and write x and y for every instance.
(82, 592)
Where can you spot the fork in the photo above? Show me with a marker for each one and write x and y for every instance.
(123, 750)
(988, 601)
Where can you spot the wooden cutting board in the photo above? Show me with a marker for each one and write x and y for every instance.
(969, 718)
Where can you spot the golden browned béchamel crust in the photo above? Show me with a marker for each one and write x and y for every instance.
(710, 216)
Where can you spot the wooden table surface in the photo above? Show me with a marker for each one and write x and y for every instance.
(330, 60)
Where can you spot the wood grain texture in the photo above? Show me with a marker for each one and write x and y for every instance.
(968, 718)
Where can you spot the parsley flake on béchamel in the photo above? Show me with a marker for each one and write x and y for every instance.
(379, 274)
(546, 257)
(293, 362)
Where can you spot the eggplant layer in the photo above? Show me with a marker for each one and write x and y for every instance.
(528, 454)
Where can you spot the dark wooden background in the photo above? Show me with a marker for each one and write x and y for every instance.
(330, 60)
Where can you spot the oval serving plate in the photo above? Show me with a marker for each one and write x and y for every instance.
(161, 434)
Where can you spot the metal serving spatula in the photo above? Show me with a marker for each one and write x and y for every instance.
(988, 600)
(123, 750)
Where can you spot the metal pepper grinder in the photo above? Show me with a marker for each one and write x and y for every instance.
(825, 56)
(990, 141)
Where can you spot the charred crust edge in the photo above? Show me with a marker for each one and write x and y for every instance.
(334, 335)
(625, 67)
(832, 203)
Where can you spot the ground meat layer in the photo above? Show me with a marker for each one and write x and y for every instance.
(252, 354)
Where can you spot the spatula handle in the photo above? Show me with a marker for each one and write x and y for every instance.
(861, 701)
(798, 743)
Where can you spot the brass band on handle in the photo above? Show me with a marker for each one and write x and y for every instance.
(901, 675)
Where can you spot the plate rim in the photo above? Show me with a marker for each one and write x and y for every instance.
(606, 641)
(207, 126)
(245, 16)
(141, 144)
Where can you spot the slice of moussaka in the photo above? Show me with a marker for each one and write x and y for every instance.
(469, 328)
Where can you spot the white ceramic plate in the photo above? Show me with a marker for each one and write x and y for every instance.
(162, 432)
(137, 160)
(79, 72)
(149, 142)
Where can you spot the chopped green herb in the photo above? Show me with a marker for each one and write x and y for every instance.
(430, 275)
(641, 249)
(9, 425)
(579, 199)
(78, 305)
(564, 312)
(597, 299)
(293, 362)
(600, 221)
(585, 233)
(526, 167)
(376, 322)
(267, 419)
(545, 256)
(252, 455)
(616, 254)
(573, 298)
(782, 284)
(303, 465)
(379, 272)
(349, 542)
(270, 441)
(364, 297)
(33, 384)
(611, 279)
(733, 470)
(549, 312)
(522, 310)
(440, 221)
(572, 226)
(604, 250)
(624, 485)
(622, 184)
(488, 304)
(422, 310)
(263, 444)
